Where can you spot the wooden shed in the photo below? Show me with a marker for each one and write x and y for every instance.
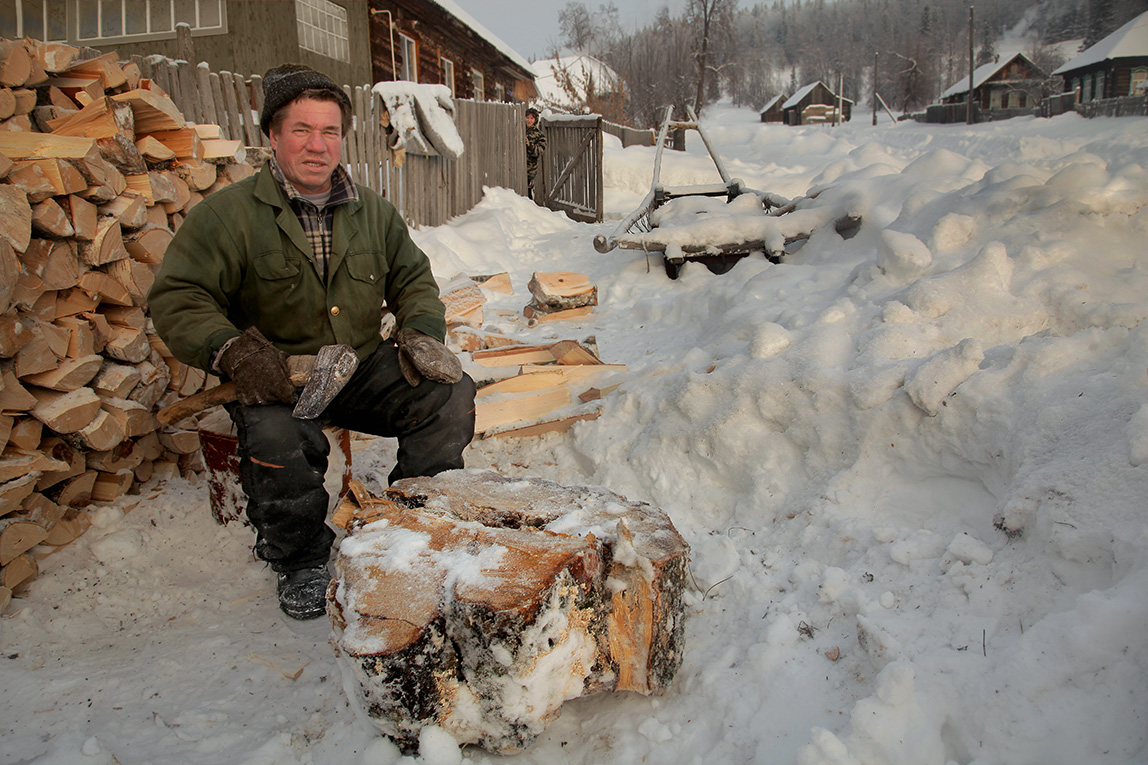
(424, 41)
(815, 103)
(1011, 83)
(772, 112)
(1115, 67)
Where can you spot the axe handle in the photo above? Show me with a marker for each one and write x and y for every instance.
(224, 393)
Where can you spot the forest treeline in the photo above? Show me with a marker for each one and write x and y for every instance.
(906, 50)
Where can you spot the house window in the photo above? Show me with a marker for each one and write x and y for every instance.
(477, 81)
(322, 28)
(1139, 77)
(409, 69)
(1086, 92)
(1099, 85)
(995, 99)
(40, 19)
(447, 67)
(499, 92)
(1015, 99)
(102, 21)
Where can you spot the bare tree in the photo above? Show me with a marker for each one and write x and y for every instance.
(708, 17)
(576, 25)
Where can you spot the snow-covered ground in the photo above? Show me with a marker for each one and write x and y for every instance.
(912, 467)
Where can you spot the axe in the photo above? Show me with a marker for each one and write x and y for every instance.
(322, 377)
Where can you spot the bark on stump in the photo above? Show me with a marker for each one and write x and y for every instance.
(480, 603)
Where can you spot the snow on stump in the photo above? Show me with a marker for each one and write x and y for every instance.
(479, 603)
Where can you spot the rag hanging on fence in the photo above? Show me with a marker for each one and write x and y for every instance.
(422, 117)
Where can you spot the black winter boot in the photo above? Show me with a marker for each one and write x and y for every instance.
(303, 593)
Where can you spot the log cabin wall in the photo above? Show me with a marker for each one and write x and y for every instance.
(439, 35)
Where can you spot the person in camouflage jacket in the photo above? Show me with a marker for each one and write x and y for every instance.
(535, 145)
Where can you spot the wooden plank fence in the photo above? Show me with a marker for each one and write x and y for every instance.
(628, 135)
(427, 189)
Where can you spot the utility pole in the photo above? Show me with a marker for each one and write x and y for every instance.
(876, 53)
(972, 66)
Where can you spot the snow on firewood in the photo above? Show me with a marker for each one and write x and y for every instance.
(510, 597)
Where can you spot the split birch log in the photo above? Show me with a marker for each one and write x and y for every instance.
(49, 219)
(567, 591)
(68, 528)
(68, 375)
(106, 246)
(14, 492)
(84, 217)
(15, 217)
(20, 570)
(562, 290)
(65, 412)
(9, 273)
(110, 486)
(32, 180)
(7, 103)
(15, 66)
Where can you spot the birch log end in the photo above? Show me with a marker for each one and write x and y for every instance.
(480, 604)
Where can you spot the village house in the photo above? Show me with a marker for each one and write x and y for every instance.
(354, 41)
(772, 112)
(1011, 83)
(581, 83)
(238, 36)
(1115, 67)
(435, 41)
(815, 103)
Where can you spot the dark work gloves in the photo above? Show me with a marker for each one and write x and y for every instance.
(422, 356)
(258, 369)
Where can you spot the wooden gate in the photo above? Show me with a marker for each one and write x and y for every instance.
(571, 168)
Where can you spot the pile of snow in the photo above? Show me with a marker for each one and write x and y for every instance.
(911, 466)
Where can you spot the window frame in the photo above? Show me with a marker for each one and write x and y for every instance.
(447, 67)
(410, 65)
(478, 82)
(72, 23)
(1132, 80)
(322, 28)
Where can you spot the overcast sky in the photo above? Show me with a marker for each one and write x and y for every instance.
(530, 27)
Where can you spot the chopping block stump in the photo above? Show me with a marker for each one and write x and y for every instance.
(480, 603)
(220, 446)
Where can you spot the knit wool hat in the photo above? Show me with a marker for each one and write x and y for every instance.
(283, 84)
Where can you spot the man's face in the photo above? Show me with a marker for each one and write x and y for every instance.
(308, 143)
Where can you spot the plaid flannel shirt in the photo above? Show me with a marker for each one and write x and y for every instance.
(317, 223)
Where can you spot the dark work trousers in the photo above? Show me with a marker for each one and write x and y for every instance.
(283, 460)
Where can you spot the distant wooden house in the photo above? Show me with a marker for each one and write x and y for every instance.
(772, 112)
(1011, 83)
(813, 104)
(1115, 67)
(430, 42)
(242, 36)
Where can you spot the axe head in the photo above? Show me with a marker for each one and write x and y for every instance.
(334, 365)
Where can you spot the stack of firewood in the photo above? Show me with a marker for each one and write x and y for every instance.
(97, 170)
(529, 389)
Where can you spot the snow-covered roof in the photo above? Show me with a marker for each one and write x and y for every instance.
(1129, 40)
(795, 99)
(453, 9)
(582, 69)
(983, 74)
(772, 102)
